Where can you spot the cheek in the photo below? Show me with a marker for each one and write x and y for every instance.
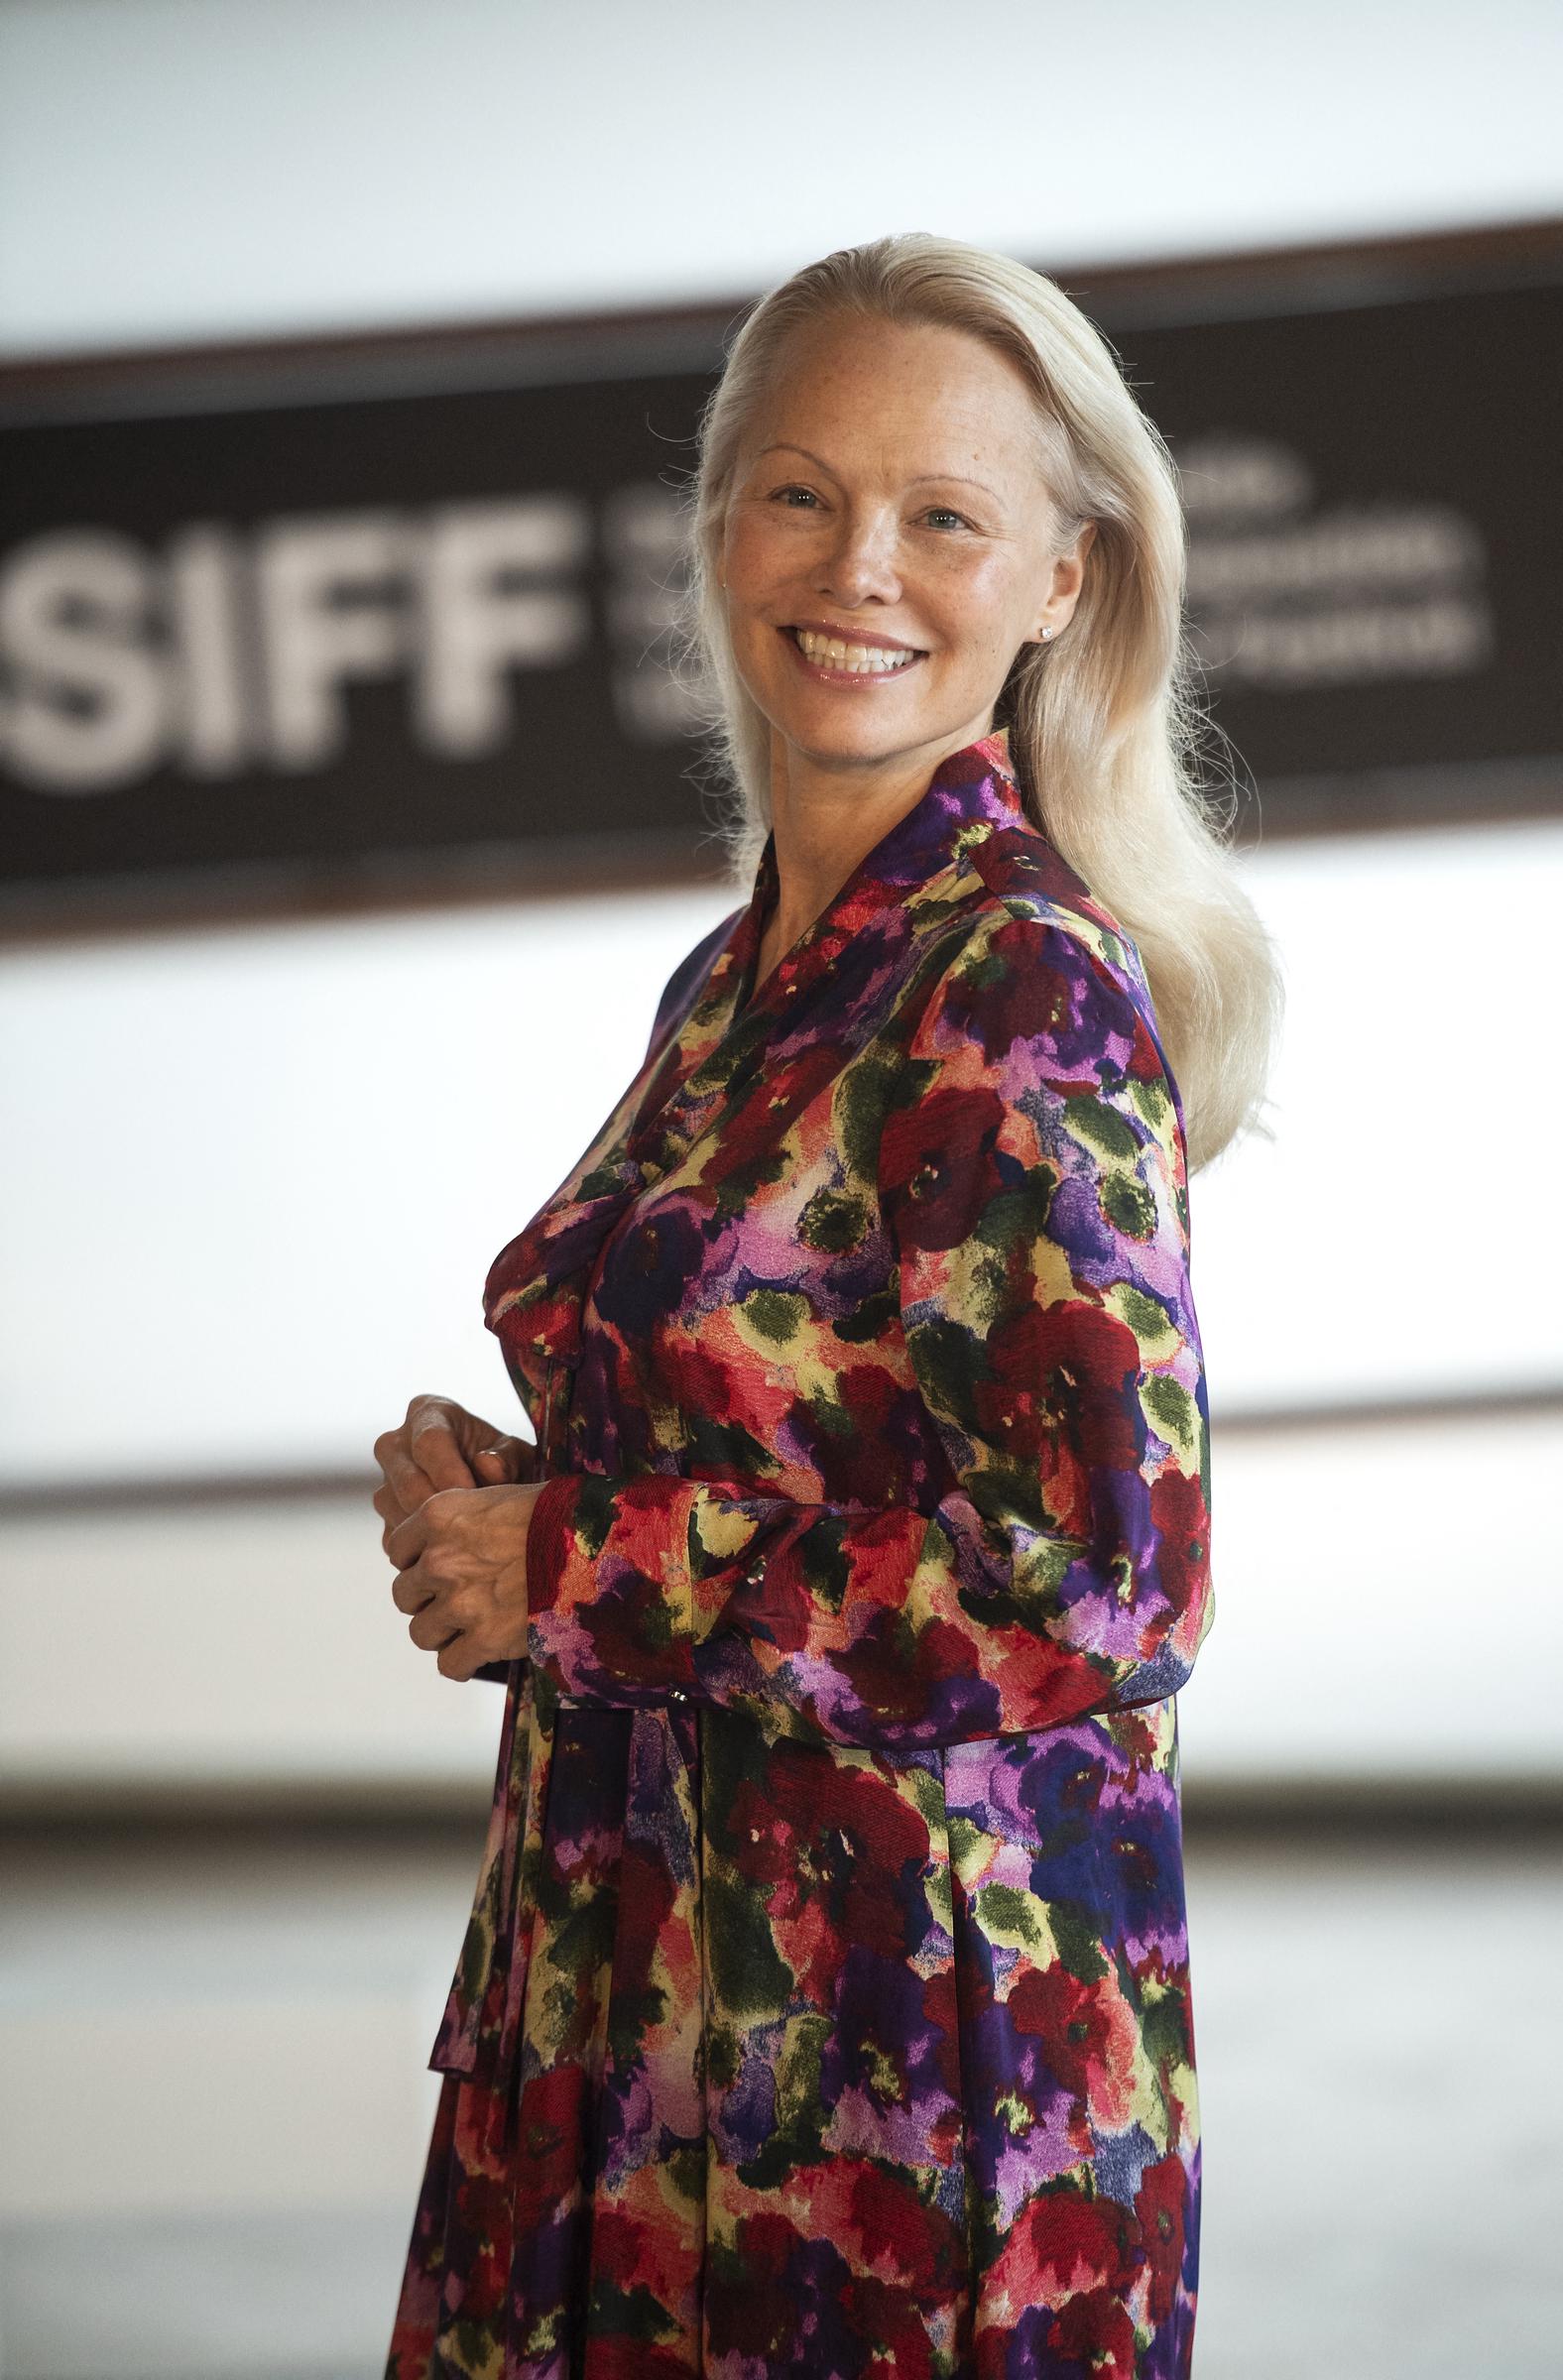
(758, 555)
(973, 600)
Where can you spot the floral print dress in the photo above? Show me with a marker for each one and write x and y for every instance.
(825, 2006)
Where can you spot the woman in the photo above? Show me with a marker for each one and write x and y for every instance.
(824, 2007)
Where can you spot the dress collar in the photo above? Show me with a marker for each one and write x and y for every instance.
(716, 1047)
(972, 793)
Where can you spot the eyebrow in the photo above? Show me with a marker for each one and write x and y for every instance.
(924, 479)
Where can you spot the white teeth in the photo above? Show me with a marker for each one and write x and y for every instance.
(874, 659)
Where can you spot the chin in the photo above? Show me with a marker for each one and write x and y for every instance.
(847, 741)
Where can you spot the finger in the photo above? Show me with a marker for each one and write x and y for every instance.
(455, 1659)
(388, 1532)
(429, 1631)
(404, 1479)
(406, 1540)
(403, 1475)
(508, 1461)
(436, 1450)
(410, 1590)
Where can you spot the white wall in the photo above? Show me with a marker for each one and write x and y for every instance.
(258, 1175)
(1387, 1608)
(176, 170)
(265, 1170)
(257, 1178)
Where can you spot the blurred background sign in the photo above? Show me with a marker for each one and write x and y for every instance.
(386, 614)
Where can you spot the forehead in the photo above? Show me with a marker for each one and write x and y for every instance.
(919, 394)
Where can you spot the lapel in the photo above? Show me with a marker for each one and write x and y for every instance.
(793, 1027)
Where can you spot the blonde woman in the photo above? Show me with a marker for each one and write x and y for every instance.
(825, 2006)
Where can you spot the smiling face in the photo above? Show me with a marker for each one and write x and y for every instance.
(887, 548)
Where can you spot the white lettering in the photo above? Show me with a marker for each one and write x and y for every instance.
(89, 710)
(212, 727)
(332, 601)
(484, 612)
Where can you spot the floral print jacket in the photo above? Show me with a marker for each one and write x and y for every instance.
(825, 2006)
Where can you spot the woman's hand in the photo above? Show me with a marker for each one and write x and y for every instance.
(461, 1571)
(441, 1445)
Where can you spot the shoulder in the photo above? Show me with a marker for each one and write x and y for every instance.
(1030, 881)
(1034, 982)
(1029, 922)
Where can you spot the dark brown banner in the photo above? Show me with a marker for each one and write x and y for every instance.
(397, 618)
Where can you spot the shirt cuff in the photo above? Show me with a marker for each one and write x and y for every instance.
(609, 1589)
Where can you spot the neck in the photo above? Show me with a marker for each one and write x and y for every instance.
(827, 820)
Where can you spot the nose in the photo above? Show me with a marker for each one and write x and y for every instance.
(862, 561)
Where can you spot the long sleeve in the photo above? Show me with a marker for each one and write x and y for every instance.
(1032, 1176)
(686, 976)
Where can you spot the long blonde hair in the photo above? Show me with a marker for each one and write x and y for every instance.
(1103, 725)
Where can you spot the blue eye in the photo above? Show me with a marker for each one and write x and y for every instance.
(794, 490)
(944, 511)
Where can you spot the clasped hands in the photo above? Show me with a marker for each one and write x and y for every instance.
(457, 1503)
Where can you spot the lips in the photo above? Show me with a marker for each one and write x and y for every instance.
(834, 659)
(841, 635)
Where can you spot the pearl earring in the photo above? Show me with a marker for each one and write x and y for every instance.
(1046, 633)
